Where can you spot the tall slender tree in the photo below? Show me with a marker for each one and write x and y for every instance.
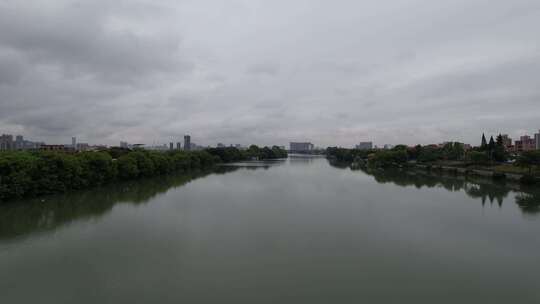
(491, 144)
(500, 141)
(491, 148)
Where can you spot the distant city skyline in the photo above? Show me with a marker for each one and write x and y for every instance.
(17, 142)
(269, 72)
(68, 140)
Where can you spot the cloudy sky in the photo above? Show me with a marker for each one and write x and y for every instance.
(269, 72)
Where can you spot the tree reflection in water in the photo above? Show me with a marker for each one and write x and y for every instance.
(47, 213)
(528, 203)
(527, 198)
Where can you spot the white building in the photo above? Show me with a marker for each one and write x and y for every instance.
(537, 139)
(83, 147)
(365, 145)
(301, 146)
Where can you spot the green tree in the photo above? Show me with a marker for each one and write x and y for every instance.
(529, 159)
(430, 154)
(500, 141)
(181, 161)
(97, 168)
(483, 145)
(400, 148)
(127, 167)
(144, 163)
(116, 152)
(26, 174)
(478, 158)
(415, 152)
(16, 173)
(162, 162)
(453, 151)
(388, 158)
(491, 145)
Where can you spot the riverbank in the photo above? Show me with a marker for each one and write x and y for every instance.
(499, 172)
(487, 189)
(46, 213)
(524, 168)
(36, 173)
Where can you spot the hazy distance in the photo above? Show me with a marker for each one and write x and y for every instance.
(269, 72)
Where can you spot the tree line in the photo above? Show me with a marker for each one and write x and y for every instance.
(487, 154)
(31, 215)
(231, 154)
(33, 173)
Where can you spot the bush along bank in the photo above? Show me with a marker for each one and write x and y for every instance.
(450, 158)
(26, 174)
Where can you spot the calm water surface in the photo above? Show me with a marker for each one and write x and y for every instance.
(294, 231)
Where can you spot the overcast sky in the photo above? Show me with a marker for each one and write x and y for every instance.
(269, 72)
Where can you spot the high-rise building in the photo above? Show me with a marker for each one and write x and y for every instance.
(525, 143)
(124, 145)
(178, 146)
(82, 147)
(187, 142)
(301, 146)
(366, 145)
(537, 139)
(171, 146)
(19, 142)
(6, 142)
(74, 142)
(53, 148)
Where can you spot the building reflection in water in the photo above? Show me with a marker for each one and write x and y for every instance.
(303, 158)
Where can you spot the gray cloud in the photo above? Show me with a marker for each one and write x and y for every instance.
(270, 69)
(265, 72)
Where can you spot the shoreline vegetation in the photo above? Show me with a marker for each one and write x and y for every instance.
(31, 174)
(492, 162)
(31, 215)
(527, 197)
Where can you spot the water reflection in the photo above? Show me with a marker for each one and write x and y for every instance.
(486, 190)
(253, 165)
(528, 203)
(47, 213)
(303, 158)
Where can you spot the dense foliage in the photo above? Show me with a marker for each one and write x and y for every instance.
(400, 153)
(36, 173)
(230, 154)
(388, 158)
(529, 159)
(455, 152)
(478, 158)
(347, 155)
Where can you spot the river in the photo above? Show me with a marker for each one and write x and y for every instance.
(294, 231)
